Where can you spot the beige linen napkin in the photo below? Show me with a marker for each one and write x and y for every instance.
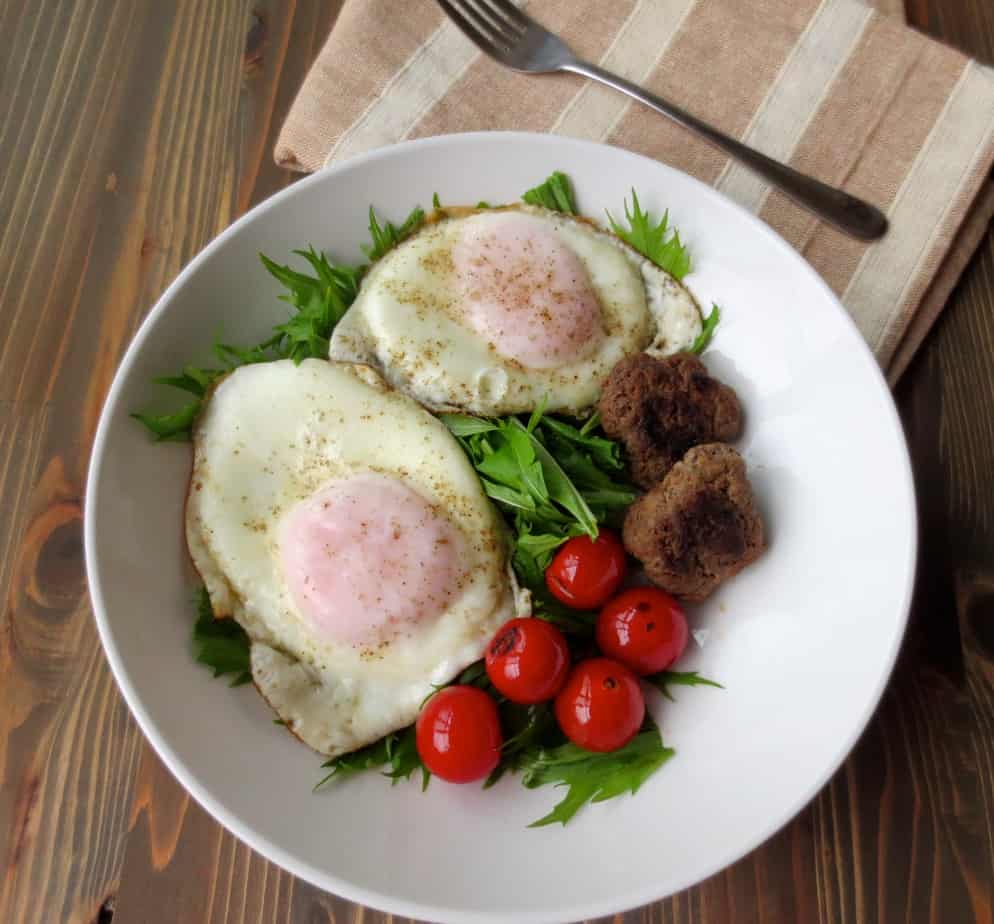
(833, 87)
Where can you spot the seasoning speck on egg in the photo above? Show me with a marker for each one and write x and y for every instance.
(494, 312)
(351, 538)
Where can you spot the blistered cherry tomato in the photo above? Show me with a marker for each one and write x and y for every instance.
(528, 660)
(601, 707)
(643, 628)
(458, 734)
(586, 572)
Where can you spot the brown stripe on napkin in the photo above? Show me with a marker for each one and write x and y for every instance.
(697, 74)
(830, 86)
(968, 239)
(853, 108)
(355, 74)
(902, 131)
(525, 105)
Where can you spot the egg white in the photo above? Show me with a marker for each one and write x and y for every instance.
(405, 322)
(273, 434)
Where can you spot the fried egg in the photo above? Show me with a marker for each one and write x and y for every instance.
(498, 311)
(343, 527)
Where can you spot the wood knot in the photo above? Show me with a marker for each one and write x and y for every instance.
(979, 621)
(105, 913)
(49, 571)
(59, 572)
(53, 556)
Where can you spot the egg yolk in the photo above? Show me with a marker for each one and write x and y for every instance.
(526, 291)
(367, 558)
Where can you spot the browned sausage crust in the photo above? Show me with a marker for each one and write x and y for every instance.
(699, 526)
(660, 408)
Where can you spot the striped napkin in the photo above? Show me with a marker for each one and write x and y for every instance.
(834, 87)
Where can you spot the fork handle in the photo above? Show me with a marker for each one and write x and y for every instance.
(847, 213)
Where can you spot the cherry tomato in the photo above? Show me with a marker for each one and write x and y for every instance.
(643, 628)
(601, 707)
(458, 734)
(528, 660)
(586, 572)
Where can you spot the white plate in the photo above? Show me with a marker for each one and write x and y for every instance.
(804, 640)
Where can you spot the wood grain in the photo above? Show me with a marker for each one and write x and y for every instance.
(132, 132)
(119, 168)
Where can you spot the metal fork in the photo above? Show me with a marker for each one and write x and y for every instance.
(499, 29)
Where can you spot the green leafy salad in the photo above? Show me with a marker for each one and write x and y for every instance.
(553, 478)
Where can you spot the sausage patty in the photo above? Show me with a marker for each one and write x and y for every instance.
(699, 526)
(660, 408)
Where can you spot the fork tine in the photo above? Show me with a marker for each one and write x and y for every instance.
(498, 26)
(473, 26)
(499, 9)
(511, 13)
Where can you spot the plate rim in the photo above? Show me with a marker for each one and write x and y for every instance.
(329, 881)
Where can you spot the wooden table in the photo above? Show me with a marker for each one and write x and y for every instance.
(132, 132)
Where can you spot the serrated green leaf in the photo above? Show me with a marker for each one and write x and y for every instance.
(536, 415)
(560, 488)
(593, 777)
(220, 644)
(387, 236)
(509, 497)
(319, 302)
(653, 240)
(556, 193)
(532, 554)
(579, 625)
(554, 480)
(540, 546)
(174, 426)
(501, 465)
(466, 425)
(528, 468)
(704, 338)
(591, 424)
(191, 379)
(370, 757)
(397, 752)
(666, 679)
(604, 452)
(404, 758)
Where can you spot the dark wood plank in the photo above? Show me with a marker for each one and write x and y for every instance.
(68, 748)
(119, 167)
(144, 168)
